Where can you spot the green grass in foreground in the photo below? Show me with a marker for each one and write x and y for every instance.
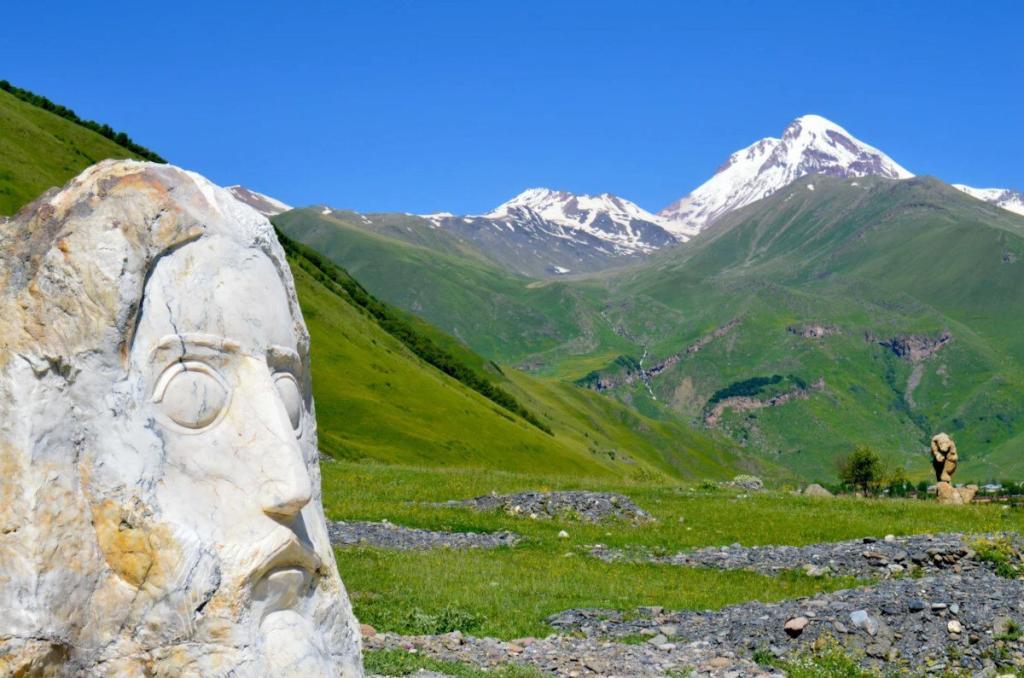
(402, 663)
(508, 592)
(827, 659)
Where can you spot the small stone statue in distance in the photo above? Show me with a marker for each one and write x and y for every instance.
(944, 457)
(944, 460)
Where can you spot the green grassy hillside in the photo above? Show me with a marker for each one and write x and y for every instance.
(377, 400)
(40, 149)
(870, 261)
(501, 315)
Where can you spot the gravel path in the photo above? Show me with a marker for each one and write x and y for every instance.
(391, 536)
(889, 557)
(591, 507)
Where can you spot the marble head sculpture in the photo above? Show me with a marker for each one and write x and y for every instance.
(160, 507)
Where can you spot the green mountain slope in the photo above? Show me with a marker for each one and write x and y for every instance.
(885, 270)
(377, 400)
(500, 315)
(40, 149)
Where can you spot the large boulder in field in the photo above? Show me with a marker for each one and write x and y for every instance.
(816, 490)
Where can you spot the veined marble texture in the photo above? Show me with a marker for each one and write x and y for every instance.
(160, 507)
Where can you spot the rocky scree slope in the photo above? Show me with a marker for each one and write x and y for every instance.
(263, 204)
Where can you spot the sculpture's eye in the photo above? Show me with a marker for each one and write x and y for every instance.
(291, 396)
(191, 394)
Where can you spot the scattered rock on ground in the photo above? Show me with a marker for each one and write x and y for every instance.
(795, 626)
(568, 656)
(747, 482)
(813, 330)
(868, 557)
(591, 507)
(388, 535)
(420, 673)
(944, 621)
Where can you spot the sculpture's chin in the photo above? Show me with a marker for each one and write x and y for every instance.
(293, 647)
(281, 589)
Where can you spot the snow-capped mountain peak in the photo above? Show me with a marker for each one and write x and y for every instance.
(548, 232)
(810, 144)
(1007, 198)
(603, 214)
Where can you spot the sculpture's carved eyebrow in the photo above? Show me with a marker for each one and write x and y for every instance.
(196, 340)
(284, 356)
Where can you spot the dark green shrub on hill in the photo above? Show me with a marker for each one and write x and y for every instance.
(623, 364)
(758, 386)
(748, 387)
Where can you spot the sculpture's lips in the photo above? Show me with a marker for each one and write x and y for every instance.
(289, 554)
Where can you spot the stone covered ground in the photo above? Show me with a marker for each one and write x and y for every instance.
(930, 605)
(590, 507)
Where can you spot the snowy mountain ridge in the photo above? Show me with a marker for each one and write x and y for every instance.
(810, 144)
(549, 232)
(1007, 198)
(624, 224)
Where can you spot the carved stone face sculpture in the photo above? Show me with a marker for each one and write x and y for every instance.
(159, 486)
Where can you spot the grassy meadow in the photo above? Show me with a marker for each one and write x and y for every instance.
(508, 592)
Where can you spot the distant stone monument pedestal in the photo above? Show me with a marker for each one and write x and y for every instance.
(944, 461)
(947, 494)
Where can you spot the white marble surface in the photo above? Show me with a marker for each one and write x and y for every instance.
(160, 505)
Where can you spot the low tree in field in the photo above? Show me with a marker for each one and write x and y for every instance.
(862, 469)
(898, 484)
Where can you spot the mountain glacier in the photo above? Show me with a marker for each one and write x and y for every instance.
(809, 145)
(1007, 198)
(543, 231)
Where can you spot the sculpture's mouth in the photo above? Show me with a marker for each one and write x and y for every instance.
(290, 552)
(284, 577)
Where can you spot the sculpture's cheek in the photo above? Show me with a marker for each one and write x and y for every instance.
(136, 550)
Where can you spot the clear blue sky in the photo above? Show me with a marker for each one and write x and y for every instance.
(429, 106)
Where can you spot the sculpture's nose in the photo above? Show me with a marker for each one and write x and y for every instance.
(285, 486)
(288, 489)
